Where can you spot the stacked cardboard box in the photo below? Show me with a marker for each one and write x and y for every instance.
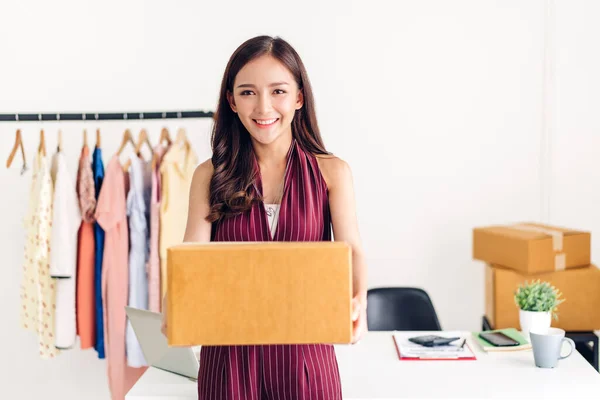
(524, 252)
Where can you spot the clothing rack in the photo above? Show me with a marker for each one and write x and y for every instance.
(104, 116)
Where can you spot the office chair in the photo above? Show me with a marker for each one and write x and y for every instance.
(400, 309)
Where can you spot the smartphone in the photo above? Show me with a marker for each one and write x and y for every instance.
(498, 339)
(432, 340)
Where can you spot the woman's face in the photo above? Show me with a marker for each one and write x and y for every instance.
(265, 96)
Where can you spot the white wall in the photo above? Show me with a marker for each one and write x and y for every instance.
(436, 105)
(575, 143)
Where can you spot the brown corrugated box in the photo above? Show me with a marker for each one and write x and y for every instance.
(532, 248)
(259, 293)
(580, 288)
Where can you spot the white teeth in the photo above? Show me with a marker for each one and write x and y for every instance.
(265, 122)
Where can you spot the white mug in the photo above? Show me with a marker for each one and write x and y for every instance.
(547, 345)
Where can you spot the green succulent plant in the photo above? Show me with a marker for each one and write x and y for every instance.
(538, 296)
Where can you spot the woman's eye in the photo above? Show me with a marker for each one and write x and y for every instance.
(249, 92)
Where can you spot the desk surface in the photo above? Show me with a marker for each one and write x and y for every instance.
(371, 370)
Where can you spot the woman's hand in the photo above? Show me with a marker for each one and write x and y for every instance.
(163, 326)
(359, 317)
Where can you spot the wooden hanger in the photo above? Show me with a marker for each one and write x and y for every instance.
(127, 138)
(182, 139)
(142, 139)
(59, 145)
(13, 152)
(97, 138)
(42, 146)
(164, 135)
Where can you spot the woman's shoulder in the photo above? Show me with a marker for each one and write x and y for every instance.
(205, 167)
(333, 169)
(203, 172)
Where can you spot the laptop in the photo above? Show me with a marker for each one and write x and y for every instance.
(178, 360)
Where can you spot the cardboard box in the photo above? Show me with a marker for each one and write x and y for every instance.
(259, 293)
(532, 248)
(580, 288)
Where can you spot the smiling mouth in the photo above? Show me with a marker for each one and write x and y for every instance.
(265, 123)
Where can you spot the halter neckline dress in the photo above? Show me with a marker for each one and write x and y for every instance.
(282, 372)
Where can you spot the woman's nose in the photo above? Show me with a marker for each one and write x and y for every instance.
(264, 104)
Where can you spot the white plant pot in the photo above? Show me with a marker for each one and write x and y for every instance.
(537, 321)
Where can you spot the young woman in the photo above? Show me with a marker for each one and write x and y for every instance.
(270, 178)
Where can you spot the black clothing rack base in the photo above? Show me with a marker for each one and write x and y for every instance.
(113, 116)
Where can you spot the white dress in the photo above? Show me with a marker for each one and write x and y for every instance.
(66, 218)
(138, 208)
(37, 287)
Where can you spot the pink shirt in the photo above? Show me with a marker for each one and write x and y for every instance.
(111, 215)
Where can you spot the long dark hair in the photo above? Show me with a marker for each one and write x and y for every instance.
(232, 154)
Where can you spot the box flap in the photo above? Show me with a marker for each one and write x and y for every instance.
(513, 231)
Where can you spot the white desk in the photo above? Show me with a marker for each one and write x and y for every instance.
(371, 370)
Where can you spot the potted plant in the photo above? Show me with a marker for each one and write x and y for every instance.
(537, 302)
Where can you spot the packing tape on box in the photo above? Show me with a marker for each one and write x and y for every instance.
(560, 259)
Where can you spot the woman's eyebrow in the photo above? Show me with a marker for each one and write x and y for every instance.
(249, 85)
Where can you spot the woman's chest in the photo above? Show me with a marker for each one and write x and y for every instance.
(295, 220)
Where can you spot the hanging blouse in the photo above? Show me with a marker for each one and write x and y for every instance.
(177, 170)
(86, 308)
(98, 169)
(37, 287)
(66, 219)
(111, 215)
(138, 204)
(154, 294)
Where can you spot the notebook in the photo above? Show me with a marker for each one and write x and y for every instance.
(408, 350)
(511, 333)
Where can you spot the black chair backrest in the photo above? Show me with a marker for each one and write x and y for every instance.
(400, 309)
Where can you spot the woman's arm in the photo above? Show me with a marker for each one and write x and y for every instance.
(338, 177)
(197, 228)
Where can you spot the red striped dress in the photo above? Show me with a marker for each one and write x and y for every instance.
(281, 372)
